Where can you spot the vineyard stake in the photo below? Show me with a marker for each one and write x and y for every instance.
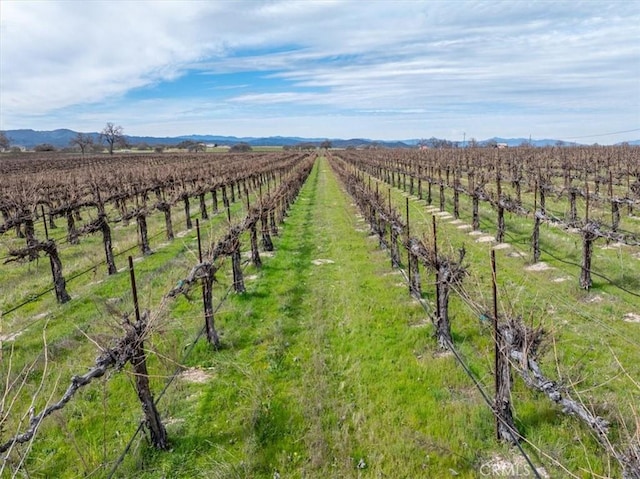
(496, 334)
(408, 246)
(496, 348)
(535, 238)
(199, 241)
(134, 290)
(44, 222)
(437, 266)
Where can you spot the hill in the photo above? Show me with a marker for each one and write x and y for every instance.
(60, 138)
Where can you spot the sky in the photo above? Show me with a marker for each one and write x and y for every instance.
(385, 70)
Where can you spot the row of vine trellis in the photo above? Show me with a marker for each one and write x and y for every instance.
(516, 345)
(267, 210)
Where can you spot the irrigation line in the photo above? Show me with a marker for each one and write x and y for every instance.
(30, 300)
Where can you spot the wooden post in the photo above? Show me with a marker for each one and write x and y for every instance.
(435, 248)
(134, 290)
(139, 362)
(44, 222)
(586, 193)
(475, 215)
(408, 246)
(500, 228)
(199, 240)
(535, 237)
(456, 195)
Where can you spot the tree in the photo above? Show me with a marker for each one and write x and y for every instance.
(437, 143)
(185, 144)
(44, 147)
(326, 144)
(112, 135)
(306, 146)
(192, 146)
(82, 141)
(240, 148)
(4, 141)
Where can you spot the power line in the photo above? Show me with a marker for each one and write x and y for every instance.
(601, 134)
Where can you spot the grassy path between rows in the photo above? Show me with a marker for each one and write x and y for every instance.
(329, 369)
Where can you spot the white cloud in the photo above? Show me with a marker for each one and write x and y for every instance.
(429, 66)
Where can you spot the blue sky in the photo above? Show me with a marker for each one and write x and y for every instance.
(335, 69)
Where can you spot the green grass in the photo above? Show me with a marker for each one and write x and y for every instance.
(329, 365)
(326, 370)
(586, 331)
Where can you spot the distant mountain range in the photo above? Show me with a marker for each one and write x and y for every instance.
(60, 138)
